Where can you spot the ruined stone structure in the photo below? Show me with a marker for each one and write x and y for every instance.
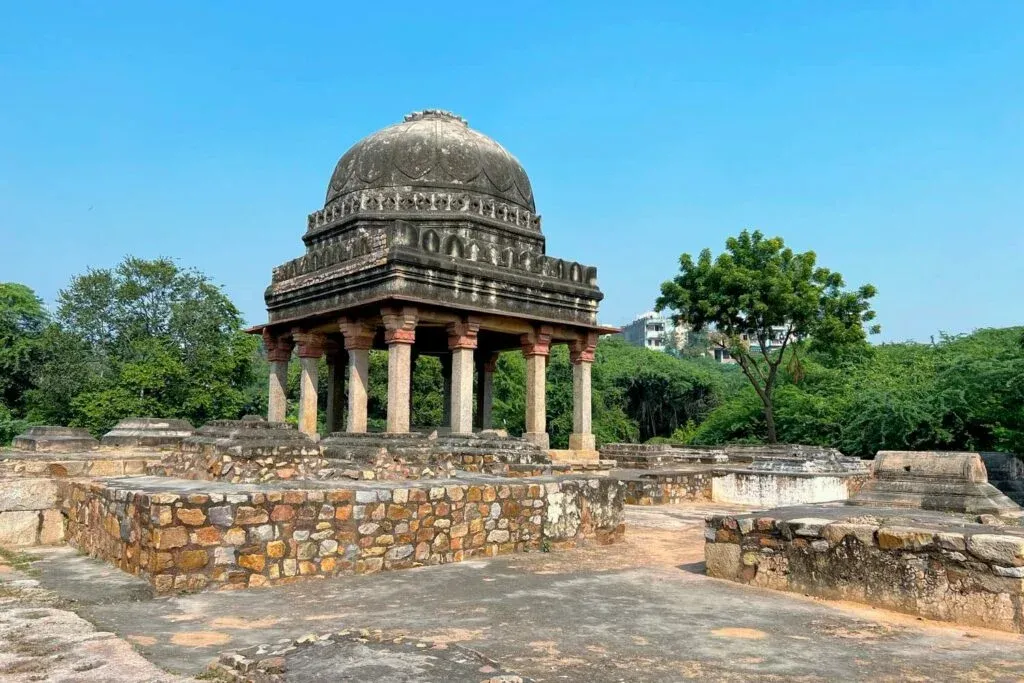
(947, 482)
(429, 243)
(935, 565)
(50, 439)
(763, 476)
(148, 432)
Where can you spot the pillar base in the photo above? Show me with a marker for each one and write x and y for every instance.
(582, 442)
(539, 438)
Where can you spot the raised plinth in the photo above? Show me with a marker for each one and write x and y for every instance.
(244, 451)
(51, 439)
(928, 480)
(189, 535)
(148, 432)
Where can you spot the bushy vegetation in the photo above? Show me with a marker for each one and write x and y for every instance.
(962, 393)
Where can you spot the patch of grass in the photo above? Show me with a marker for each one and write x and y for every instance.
(212, 675)
(18, 560)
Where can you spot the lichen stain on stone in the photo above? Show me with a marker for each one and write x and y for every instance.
(739, 632)
(200, 638)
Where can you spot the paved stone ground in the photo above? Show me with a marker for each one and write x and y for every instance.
(638, 611)
(42, 641)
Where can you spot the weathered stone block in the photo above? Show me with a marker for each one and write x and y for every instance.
(998, 549)
(723, 560)
(19, 528)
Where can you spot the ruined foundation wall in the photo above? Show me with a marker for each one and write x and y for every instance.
(973, 578)
(668, 488)
(191, 540)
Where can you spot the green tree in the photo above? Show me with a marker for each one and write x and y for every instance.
(23, 322)
(757, 287)
(145, 338)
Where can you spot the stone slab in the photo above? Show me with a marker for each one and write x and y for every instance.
(53, 439)
(148, 432)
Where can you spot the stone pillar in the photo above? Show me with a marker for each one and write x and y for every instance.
(581, 354)
(279, 354)
(399, 335)
(536, 346)
(462, 342)
(485, 368)
(311, 348)
(446, 389)
(358, 342)
(412, 373)
(337, 362)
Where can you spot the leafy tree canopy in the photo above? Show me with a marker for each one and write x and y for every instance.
(757, 288)
(144, 338)
(23, 319)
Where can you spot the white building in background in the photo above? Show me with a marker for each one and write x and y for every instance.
(773, 343)
(654, 331)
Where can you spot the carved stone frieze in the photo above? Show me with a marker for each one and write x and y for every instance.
(399, 201)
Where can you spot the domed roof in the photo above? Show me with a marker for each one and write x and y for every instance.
(432, 149)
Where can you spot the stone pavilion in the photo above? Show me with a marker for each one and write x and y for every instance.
(429, 243)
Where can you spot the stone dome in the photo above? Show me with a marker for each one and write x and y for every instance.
(431, 150)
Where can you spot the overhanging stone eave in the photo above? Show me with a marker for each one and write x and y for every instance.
(381, 298)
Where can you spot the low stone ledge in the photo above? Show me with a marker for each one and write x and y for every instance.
(190, 535)
(948, 570)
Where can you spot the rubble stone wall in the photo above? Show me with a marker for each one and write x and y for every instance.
(969, 577)
(213, 465)
(189, 540)
(667, 488)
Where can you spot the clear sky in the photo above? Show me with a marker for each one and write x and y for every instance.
(886, 136)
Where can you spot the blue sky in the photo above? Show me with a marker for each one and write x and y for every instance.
(886, 136)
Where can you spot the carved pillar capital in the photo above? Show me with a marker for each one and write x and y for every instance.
(581, 350)
(538, 342)
(309, 344)
(463, 334)
(358, 334)
(399, 325)
(279, 346)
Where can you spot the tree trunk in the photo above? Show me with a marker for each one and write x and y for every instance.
(769, 419)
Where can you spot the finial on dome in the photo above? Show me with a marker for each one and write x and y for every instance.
(435, 114)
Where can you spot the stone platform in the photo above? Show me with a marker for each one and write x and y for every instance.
(148, 432)
(52, 439)
(189, 535)
(931, 564)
